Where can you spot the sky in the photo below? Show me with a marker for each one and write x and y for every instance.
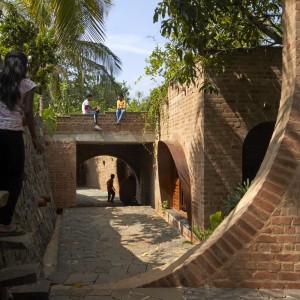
(129, 29)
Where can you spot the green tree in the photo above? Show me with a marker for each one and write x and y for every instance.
(18, 31)
(202, 31)
(79, 31)
(65, 41)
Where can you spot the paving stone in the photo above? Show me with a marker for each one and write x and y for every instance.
(103, 292)
(111, 243)
(58, 277)
(60, 290)
(160, 293)
(81, 278)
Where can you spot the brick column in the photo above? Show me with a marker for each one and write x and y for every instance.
(62, 172)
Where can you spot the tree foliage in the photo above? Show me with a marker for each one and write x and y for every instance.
(202, 31)
(19, 32)
(64, 40)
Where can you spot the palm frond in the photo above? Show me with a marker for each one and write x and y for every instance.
(97, 54)
(72, 19)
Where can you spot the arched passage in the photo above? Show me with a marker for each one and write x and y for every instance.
(95, 172)
(133, 167)
(254, 149)
(174, 179)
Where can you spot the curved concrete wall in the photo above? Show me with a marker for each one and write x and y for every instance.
(257, 245)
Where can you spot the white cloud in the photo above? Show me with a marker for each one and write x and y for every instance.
(129, 43)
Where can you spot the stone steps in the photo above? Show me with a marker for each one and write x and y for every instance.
(22, 283)
(16, 242)
(19, 275)
(36, 291)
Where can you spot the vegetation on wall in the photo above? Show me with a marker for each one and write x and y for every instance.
(215, 220)
(234, 198)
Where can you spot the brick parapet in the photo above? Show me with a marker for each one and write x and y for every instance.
(79, 123)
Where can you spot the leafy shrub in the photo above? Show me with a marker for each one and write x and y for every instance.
(234, 198)
(215, 220)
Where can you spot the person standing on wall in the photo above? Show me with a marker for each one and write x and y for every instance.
(111, 192)
(87, 109)
(121, 108)
(16, 103)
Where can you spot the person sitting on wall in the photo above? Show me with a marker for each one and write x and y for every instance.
(121, 108)
(87, 109)
(111, 192)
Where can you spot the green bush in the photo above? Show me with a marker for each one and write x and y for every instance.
(215, 220)
(234, 198)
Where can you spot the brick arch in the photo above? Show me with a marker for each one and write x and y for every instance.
(171, 159)
(122, 171)
(257, 245)
(130, 154)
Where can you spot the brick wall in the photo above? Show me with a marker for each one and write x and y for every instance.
(62, 171)
(98, 170)
(211, 128)
(133, 121)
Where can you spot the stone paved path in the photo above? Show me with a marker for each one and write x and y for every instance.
(101, 244)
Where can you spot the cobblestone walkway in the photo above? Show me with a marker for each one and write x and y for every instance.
(101, 244)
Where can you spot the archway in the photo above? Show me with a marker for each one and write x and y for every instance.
(94, 173)
(174, 179)
(254, 149)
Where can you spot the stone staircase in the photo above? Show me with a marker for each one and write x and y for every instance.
(22, 282)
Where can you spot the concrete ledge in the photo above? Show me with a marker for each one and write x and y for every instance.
(105, 137)
(180, 222)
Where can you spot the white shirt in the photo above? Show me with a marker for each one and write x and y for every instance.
(13, 119)
(85, 106)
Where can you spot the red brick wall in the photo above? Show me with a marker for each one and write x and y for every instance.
(62, 171)
(98, 171)
(132, 121)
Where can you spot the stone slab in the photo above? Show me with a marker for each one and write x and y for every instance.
(37, 291)
(19, 275)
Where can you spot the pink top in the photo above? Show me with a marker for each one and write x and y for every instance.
(12, 120)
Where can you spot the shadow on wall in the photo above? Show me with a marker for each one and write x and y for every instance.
(255, 147)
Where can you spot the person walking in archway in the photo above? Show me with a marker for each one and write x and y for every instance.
(111, 192)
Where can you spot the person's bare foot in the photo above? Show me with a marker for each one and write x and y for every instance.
(3, 197)
(97, 127)
(11, 230)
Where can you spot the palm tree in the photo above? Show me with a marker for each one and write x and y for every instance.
(79, 30)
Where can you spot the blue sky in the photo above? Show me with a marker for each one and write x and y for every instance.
(129, 26)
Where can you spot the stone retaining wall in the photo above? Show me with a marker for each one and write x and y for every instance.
(39, 222)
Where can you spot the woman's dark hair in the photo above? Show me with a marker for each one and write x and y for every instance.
(15, 68)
